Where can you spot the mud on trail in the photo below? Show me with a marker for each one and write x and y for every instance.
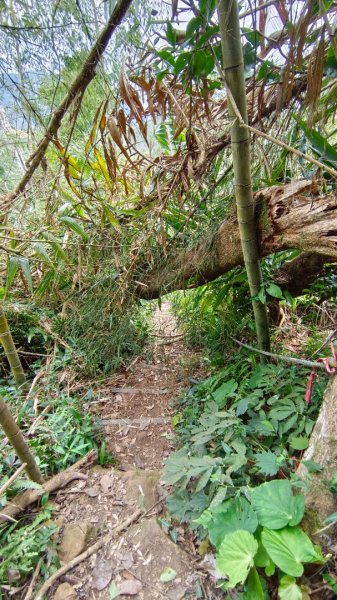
(135, 408)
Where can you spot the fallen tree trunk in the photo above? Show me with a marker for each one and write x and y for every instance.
(288, 216)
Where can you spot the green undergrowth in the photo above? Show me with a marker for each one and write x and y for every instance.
(60, 431)
(211, 314)
(241, 434)
(102, 337)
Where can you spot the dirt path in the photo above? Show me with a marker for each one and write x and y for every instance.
(136, 409)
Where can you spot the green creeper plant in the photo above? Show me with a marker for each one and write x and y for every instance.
(235, 84)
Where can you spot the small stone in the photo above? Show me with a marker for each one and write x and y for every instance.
(130, 587)
(73, 541)
(65, 592)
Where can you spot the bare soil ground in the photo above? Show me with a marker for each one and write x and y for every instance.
(135, 408)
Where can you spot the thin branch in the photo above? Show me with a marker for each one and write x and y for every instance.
(295, 361)
(79, 85)
(11, 479)
(272, 139)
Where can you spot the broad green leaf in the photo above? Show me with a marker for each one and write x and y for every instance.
(168, 574)
(167, 56)
(207, 8)
(288, 589)
(12, 269)
(267, 463)
(289, 548)
(230, 516)
(171, 34)
(331, 518)
(225, 391)
(111, 217)
(236, 556)
(181, 62)
(275, 504)
(312, 466)
(262, 558)
(74, 225)
(25, 268)
(262, 295)
(299, 443)
(202, 63)
(192, 26)
(275, 291)
(45, 284)
(254, 590)
(162, 136)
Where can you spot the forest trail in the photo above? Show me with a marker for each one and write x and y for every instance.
(136, 408)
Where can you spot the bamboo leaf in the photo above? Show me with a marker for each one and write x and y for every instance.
(74, 226)
(42, 253)
(111, 217)
(12, 269)
(103, 168)
(92, 136)
(25, 268)
(55, 244)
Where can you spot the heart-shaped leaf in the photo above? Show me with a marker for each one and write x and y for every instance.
(236, 556)
(289, 548)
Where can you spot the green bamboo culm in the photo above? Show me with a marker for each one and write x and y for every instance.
(11, 352)
(233, 67)
(17, 440)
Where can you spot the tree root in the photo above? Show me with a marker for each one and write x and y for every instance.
(21, 501)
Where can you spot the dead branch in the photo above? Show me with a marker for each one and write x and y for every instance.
(301, 362)
(76, 90)
(21, 501)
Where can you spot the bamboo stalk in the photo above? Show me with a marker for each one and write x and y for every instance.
(235, 84)
(11, 352)
(15, 437)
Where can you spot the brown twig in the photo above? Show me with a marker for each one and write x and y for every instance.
(33, 581)
(11, 479)
(81, 557)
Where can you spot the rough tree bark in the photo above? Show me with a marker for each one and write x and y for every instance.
(287, 217)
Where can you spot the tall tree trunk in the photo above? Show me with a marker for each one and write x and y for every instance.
(11, 352)
(18, 442)
(235, 84)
